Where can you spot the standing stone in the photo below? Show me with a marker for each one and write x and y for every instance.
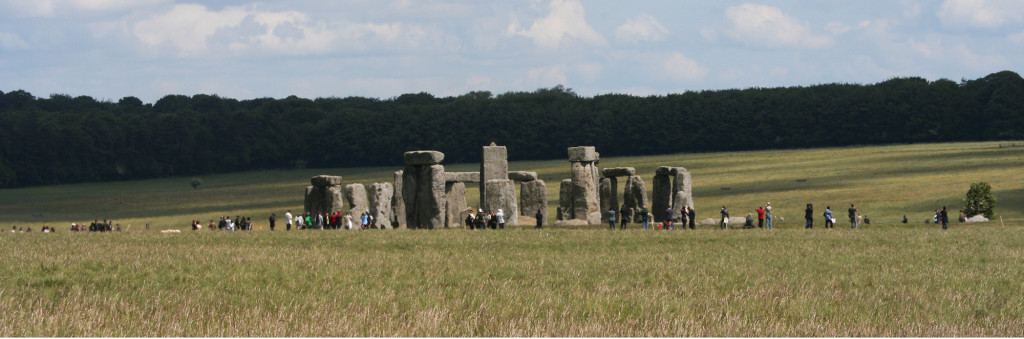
(662, 195)
(609, 194)
(455, 195)
(501, 194)
(493, 167)
(682, 195)
(565, 200)
(409, 177)
(635, 195)
(534, 196)
(430, 200)
(397, 203)
(380, 196)
(585, 201)
(308, 201)
(355, 194)
(324, 195)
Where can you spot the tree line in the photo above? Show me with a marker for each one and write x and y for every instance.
(65, 139)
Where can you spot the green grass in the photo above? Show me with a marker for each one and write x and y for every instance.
(886, 182)
(885, 279)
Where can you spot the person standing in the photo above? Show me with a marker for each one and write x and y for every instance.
(828, 217)
(669, 217)
(945, 218)
(683, 216)
(364, 220)
(853, 216)
(809, 216)
(469, 220)
(725, 218)
(273, 218)
(501, 218)
(348, 221)
(611, 219)
(768, 215)
(645, 218)
(288, 220)
(540, 219)
(760, 216)
(692, 215)
(625, 214)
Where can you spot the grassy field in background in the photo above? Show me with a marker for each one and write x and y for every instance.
(884, 279)
(886, 182)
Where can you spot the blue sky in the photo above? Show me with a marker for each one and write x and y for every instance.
(110, 49)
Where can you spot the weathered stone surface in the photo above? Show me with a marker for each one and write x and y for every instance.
(679, 201)
(663, 170)
(430, 201)
(397, 203)
(585, 200)
(708, 222)
(355, 194)
(635, 195)
(618, 172)
(501, 194)
(583, 153)
(324, 199)
(681, 181)
(494, 166)
(739, 221)
(977, 218)
(380, 196)
(462, 176)
(455, 196)
(565, 200)
(522, 176)
(533, 196)
(571, 222)
(609, 191)
(417, 158)
(409, 194)
(325, 180)
(662, 195)
(307, 202)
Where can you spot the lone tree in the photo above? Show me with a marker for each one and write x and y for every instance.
(979, 200)
(196, 182)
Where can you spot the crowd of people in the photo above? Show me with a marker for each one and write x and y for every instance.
(319, 221)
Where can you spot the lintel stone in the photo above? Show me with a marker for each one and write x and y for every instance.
(417, 158)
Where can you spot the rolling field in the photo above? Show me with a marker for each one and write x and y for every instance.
(885, 279)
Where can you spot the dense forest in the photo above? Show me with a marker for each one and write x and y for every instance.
(65, 139)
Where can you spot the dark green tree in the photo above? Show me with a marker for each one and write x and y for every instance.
(979, 200)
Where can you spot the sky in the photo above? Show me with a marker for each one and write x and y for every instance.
(109, 49)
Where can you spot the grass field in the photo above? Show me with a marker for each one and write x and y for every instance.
(885, 279)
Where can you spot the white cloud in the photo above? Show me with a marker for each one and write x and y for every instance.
(10, 41)
(986, 14)
(565, 20)
(187, 26)
(680, 67)
(642, 27)
(767, 25)
(48, 8)
(709, 33)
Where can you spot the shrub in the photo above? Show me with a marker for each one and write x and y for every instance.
(979, 200)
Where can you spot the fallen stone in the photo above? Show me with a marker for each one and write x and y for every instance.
(583, 153)
(523, 176)
(977, 218)
(571, 222)
(325, 180)
(709, 222)
(417, 158)
(618, 172)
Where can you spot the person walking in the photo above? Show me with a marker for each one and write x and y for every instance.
(540, 219)
(645, 218)
(853, 216)
(692, 216)
(760, 216)
(611, 219)
(828, 217)
(945, 218)
(768, 215)
(273, 218)
(725, 218)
